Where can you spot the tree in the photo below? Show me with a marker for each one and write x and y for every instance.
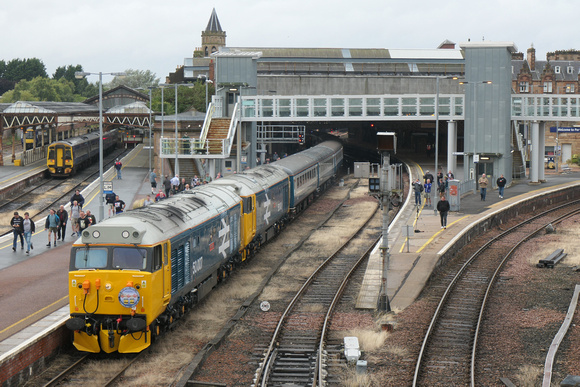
(42, 89)
(135, 79)
(82, 86)
(187, 98)
(18, 69)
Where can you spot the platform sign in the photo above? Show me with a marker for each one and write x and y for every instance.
(107, 187)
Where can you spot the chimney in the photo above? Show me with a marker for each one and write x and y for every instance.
(532, 58)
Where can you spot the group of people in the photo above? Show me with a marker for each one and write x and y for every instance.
(55, 223)
(483, 182)
(443, 205)
(175, 184)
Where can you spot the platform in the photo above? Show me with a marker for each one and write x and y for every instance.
(33, 285)
(412, 260)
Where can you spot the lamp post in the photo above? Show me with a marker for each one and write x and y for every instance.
(81, 75)
(150, 88)
(474, 124)
(205, 80)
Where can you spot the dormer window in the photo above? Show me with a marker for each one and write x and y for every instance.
(570, 69)
(557, 69)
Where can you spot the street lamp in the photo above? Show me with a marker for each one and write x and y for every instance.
(81, 75)
(474, 124)
(205, 80)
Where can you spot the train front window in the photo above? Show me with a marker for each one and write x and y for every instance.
(86, 258)
(51, 153)
(129, 258)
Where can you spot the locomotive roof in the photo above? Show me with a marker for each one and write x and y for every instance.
(164, 219)
(253, 180)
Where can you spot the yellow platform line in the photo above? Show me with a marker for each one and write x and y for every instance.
(439, 232)
(33, 314)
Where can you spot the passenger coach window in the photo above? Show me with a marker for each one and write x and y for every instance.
(90, 258)
(129, 258)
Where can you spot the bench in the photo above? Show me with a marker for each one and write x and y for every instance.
(566, 168)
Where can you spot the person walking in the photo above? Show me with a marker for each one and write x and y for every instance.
(63, 216)
(483, 186)
(28, 227)
(51, 225)
(91, 217)
(167, 186)
(17, 230)
(427, 187)
(84, 222)
(417, 189)
(501, 182)
(80, 199)
(443, 207)
(119, 206)
(118, 167)
(75, 213)
(153, 181)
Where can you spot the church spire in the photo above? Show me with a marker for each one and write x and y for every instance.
(214, 24)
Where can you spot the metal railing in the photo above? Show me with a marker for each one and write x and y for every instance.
(33, 155)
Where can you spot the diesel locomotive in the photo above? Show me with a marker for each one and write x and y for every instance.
(66, 157)
(132, 276)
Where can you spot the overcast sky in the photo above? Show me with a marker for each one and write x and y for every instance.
(115, 35)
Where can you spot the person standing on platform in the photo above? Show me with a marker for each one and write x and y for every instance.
(17, 230)
(427, 187)
(160, 195)
(75, 213)
(175, 184)
(110, 200)
(207, 178)
(63, 216)
(28, 227)
(427, 176)
(84, 222)
(417, 189)
(51, 225)
(167, 185)
(501, 182)
(443, 207)
(483, 186)
(119, 206)
(147, 201)
(118, 167)
(153, 181)
(80, 199)
(450, 175)
(91, 218)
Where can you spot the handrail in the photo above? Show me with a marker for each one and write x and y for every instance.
(206, 125)
(232, 130)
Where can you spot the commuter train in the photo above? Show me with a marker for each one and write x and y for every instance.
(66, 157)
(133, 275)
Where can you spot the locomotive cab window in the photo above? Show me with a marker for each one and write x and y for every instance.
(51, 153)
(248, 207)
(129, 258)
(67, 153)
(90, 258)
(157, 258)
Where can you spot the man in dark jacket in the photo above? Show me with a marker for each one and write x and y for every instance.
(79, 198)
(443, 207)
(63, 219)
(17, 230)
(501, 182)
(167, 185)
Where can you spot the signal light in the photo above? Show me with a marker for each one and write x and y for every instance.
(300, 139)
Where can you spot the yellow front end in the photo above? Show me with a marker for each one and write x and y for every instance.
(113, 310)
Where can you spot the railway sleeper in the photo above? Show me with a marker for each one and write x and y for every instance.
(551, 260)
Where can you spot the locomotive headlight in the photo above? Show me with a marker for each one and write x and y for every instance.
(96, 234)
(108, 286)
(125, 234)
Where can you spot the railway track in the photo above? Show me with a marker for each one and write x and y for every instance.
(295, 353)
(448, 355)
(80, 373)
(49, 193)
